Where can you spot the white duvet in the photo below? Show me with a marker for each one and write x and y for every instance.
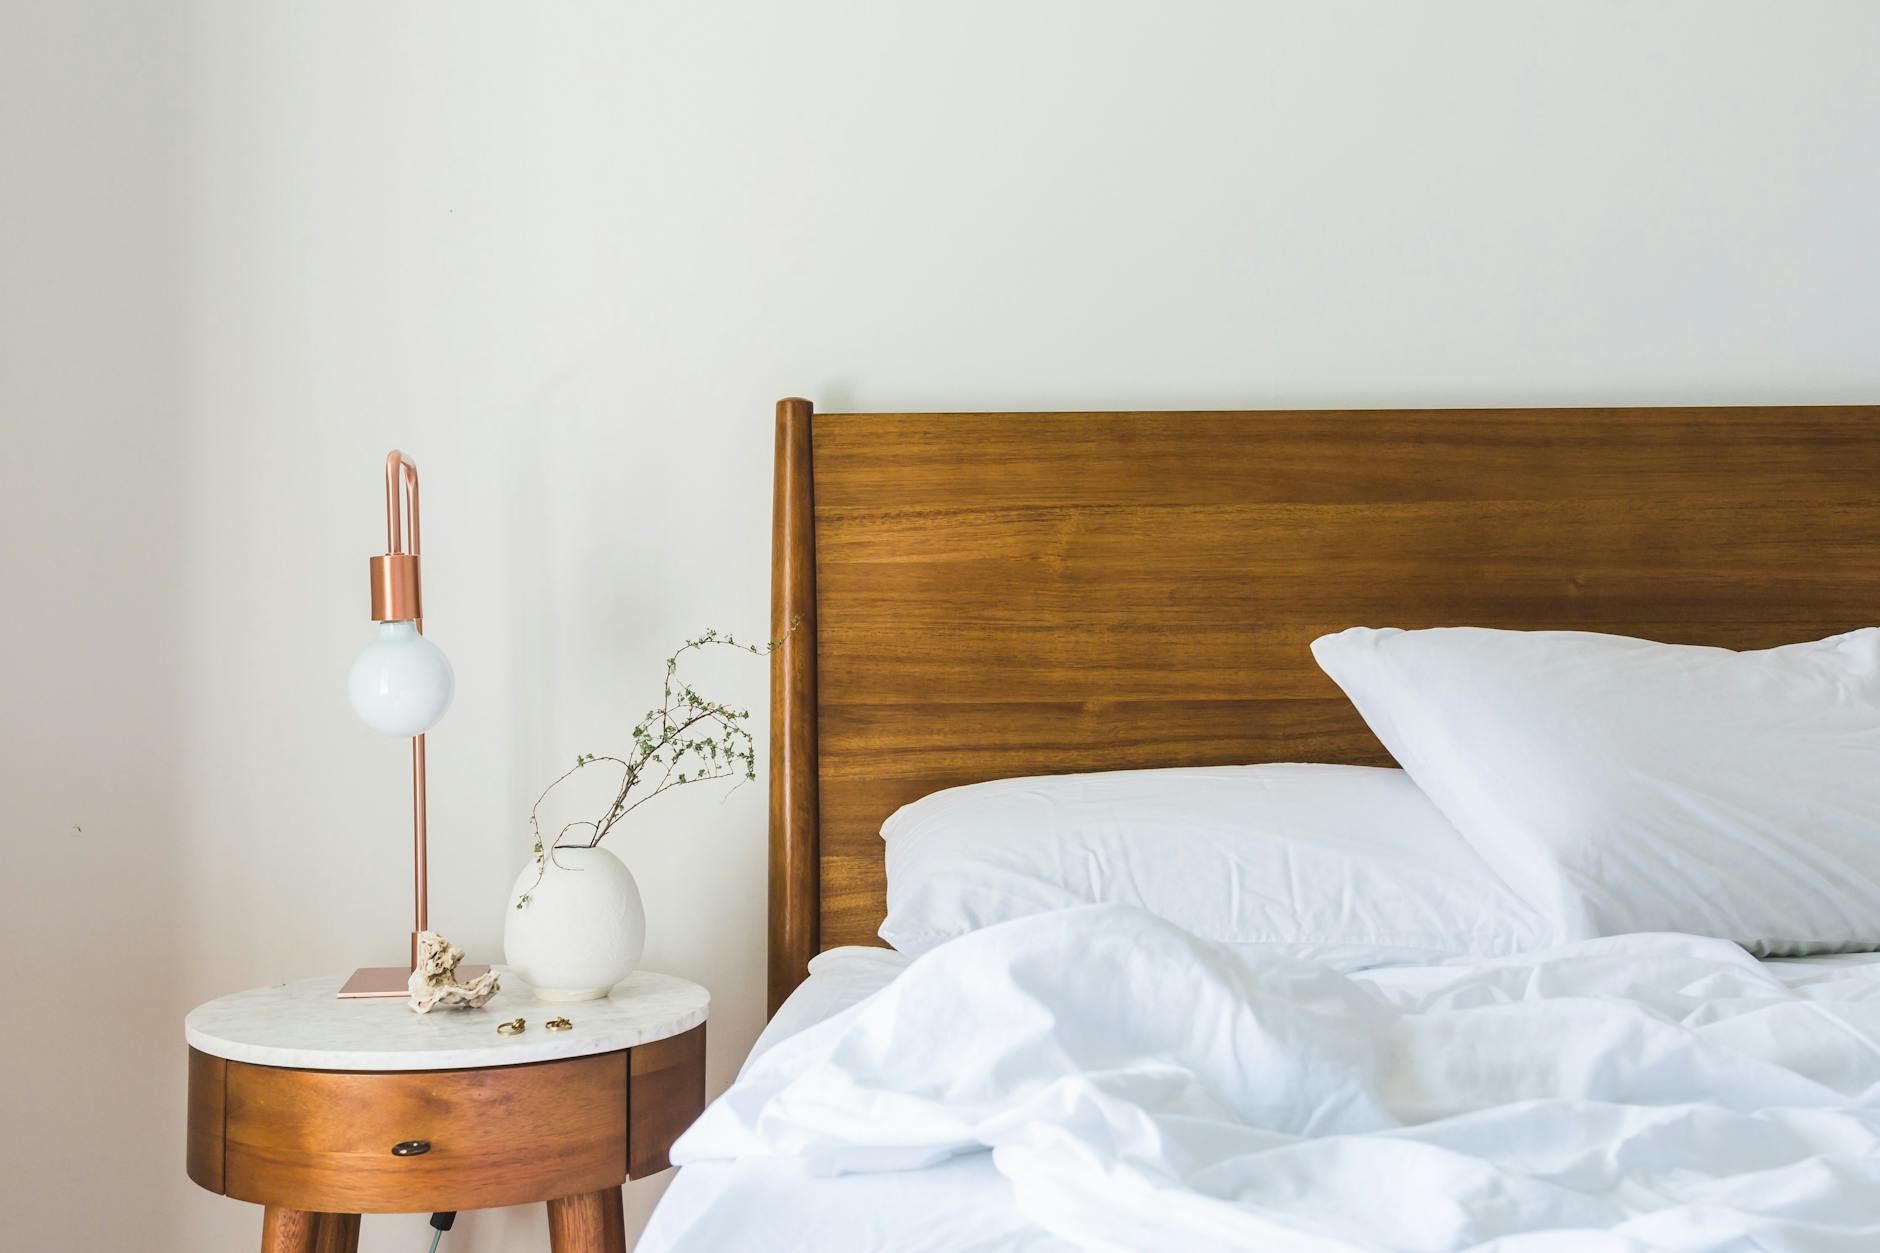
(1142, 1089)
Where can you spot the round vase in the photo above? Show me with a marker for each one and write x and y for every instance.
(583, 928)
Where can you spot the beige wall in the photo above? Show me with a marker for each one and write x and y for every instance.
(568, 255)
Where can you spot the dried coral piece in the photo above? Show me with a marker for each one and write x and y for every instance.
(434, 982)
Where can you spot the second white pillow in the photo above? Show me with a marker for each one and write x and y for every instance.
(1624, 785)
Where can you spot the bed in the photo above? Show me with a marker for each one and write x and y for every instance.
(971, 597)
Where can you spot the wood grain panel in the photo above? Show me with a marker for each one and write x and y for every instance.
(321, 1140)
(666, 1094)
(1008, 594)
(202, 1157)
(909, 461)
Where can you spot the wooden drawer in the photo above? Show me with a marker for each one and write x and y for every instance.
(322, 1140)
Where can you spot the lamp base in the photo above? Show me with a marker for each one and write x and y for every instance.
(368, 981)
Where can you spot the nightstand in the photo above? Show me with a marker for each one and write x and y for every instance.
(324, 1109)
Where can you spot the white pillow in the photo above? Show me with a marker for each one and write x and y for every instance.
(1347, 864)
(1623, 785)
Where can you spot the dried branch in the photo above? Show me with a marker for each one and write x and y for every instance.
(687, 739)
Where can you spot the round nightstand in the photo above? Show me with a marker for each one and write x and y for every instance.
(324, 1109)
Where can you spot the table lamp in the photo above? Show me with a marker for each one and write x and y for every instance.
(401, 685)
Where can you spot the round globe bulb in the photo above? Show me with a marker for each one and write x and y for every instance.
(402, 683)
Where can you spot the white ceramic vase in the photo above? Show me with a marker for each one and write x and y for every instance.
(583, 929)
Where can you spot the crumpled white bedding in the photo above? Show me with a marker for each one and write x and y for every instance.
(961, 1205)
(1141, 1089)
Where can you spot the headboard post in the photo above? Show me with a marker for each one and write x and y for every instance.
(795, 884)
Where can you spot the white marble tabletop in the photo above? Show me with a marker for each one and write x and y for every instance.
(305, 1026)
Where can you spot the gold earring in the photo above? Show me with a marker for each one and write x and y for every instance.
(558, 1024)
(515, 1026)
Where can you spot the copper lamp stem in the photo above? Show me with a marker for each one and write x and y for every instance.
(401, 474)
(394, 535)
(411, 505)
(419, 871)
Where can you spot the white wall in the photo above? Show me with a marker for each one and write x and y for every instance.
(568, 255)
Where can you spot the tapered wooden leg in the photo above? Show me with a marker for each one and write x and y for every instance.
(339, 1233)
(589, 1223)
(299, 1231)
(289, 1231)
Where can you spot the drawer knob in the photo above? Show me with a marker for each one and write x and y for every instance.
(411, 1148)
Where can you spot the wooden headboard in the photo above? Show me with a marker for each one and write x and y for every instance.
(982, 595)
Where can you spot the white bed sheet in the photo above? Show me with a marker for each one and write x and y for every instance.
(961, 1205)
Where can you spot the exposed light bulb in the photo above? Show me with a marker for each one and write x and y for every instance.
(402, 682)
